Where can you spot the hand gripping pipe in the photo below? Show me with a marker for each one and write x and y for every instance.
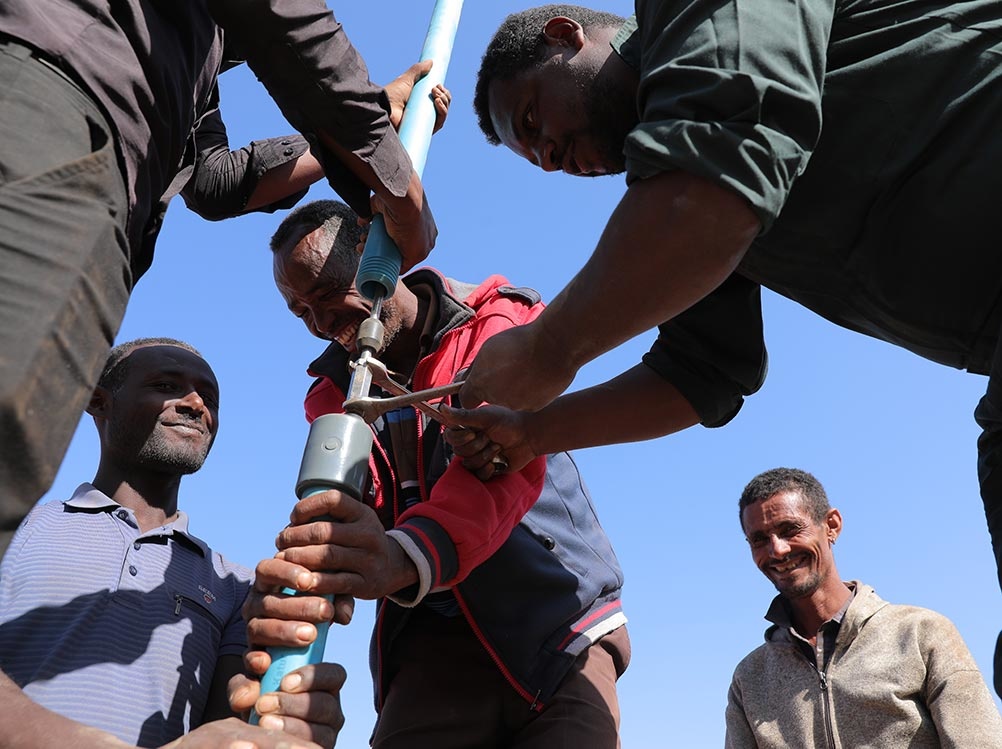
(338, 445)
(336, 457)
(380, 263)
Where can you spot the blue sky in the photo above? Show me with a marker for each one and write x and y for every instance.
(890, 435)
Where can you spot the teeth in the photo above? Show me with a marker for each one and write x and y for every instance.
(348, 335)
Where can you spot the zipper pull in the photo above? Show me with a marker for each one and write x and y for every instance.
(177, 609)
(535, 701)
(824, 681)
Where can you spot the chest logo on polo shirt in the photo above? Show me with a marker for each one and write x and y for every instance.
(207, 595)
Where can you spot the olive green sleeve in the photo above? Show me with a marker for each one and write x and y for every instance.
(730, 91)
(714, 352)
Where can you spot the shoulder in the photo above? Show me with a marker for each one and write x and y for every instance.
(930, 628)
(44, 521)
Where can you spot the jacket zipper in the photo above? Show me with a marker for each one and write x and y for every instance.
(422, 486)
(826, 701)
(534, 704)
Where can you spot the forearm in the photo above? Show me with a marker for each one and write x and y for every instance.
(637, 405)
(672, 239)
(285, 180)
(217, 703)
(28, 725)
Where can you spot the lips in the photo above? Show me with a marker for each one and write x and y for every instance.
(346, 336)
(788, 565)
(185, 426)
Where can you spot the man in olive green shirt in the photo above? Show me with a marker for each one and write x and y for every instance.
(845, 155)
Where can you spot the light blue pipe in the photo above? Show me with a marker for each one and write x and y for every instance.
(336, 457)
(380, 263)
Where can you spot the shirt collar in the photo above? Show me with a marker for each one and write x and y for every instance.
(88, 498)
(781, 614)
(626, 43)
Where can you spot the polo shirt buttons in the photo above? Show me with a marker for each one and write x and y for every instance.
(122, 515)
(549, 543)
(137, 546)
(132, 570)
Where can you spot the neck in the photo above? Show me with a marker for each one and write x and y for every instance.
(402, 353)
(614, 66)
(810, 612)
(151, 496)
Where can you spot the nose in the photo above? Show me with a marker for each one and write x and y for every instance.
(545, 156)
(324, 322)
(778, 547)
(192, 402)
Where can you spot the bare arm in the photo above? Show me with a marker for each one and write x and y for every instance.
(28, 725)
(637, 405)
(285, 180)
(672, 239)
(217, 705)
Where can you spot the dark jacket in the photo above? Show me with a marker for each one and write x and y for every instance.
(536, 578)
(152, 67)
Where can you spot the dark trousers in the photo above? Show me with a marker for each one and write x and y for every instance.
(64, 270)
(447, 693)
(989, 417)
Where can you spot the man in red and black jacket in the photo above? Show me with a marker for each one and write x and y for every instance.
(498, 620)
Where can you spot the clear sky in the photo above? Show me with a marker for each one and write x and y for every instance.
(890, 435)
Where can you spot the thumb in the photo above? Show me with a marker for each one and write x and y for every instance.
(468, 417)
(419, 70)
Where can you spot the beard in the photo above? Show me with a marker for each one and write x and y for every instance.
(157, 452)
(392, 322)
(610, 114)
(803, 588)
(172, 457)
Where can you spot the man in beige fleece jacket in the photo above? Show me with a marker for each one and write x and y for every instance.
(840, 667)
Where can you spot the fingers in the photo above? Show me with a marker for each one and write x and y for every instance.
(308, 703)
(275, 573)
(243, 691)
(475, 418)
(344, 609)
(326, 677)
(441, 98)
(233, 733)
(334, 504)
(280, 633)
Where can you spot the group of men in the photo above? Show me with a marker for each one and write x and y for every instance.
(842, 156)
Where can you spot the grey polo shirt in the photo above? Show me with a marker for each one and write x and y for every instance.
(112, 627)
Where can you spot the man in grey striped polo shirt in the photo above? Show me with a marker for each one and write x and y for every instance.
(112, 613)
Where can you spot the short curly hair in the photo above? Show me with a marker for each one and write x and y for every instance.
(341, 232)
(778, 480)
(117, 364)
(518, 45)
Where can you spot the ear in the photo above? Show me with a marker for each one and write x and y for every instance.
(100, 403)
(564, 32)
(833, 523)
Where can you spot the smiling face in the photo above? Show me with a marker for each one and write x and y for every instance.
(324, 297)
(791, 548)
(569, 113)
(163, 416)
